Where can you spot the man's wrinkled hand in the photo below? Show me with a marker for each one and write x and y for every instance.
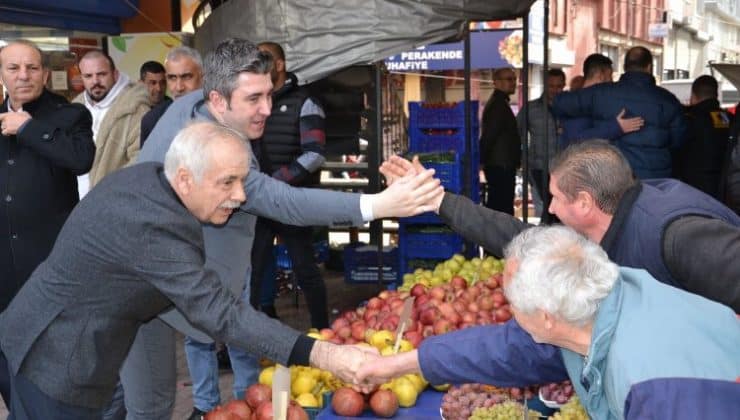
(343, 361)
(10, 122)
(408, 196)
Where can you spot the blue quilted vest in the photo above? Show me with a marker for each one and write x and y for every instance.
(640, 242)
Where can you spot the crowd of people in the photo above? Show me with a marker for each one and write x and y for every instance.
(132, 214)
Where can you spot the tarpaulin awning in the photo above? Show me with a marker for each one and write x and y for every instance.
(729, 71)
(323, 36)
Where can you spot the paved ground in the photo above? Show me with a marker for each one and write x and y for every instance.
(341, 296)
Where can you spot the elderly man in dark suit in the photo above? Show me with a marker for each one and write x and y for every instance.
(131, 250)
(45, 143)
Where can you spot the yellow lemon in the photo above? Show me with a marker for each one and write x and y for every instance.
(416, 380)
(265, 377)
(315, 335)
(303, 384)
(405, 346)
(307, 400)
(381, 339)
(386, 351)
(406, 392)
(442, 387)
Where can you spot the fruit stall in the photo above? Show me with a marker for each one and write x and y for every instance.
(455, 294)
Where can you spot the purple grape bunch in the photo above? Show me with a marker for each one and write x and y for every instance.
(559, 392)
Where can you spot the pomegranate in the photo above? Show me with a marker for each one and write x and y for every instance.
(458, 283)
(296, 412)
(347, 402)
(339, 323)
(502, 315)
(437, 293)
(418, 289)
(239, 408)
(219, 413)
(384, 403)
(264, 411)
(374, 303)
(256, 394)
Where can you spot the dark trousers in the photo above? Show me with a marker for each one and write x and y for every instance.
(299, 242)
(542, 188)
(28, 402)
(500, 193)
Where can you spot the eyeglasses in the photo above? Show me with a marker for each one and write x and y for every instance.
(511, 79)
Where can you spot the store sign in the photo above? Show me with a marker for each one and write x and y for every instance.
(488, 50)
(658, 30)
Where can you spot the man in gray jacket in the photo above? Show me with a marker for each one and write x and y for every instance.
(237, 92)
(129, 251)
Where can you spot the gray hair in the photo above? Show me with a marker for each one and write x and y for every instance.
(44, 57)
(596, 167)
(183, 51)
(232, 57)
(191, 148)
(560, 272)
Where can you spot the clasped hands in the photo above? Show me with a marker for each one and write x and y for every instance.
(412, 189)
(362, 366)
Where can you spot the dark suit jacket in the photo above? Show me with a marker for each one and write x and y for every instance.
(500, 144)
(38, 184)
(128, 251)
(150, 119)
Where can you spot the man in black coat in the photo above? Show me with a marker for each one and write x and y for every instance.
(500, 145)
(45, 143)
(699, 160)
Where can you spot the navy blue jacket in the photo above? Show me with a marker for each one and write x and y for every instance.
(649, 149)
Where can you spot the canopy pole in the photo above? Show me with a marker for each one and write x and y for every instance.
(525, 109)
(375, 156)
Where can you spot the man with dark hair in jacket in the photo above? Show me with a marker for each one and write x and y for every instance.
(649, 149)
(699, 160)
(151, 75)
(597, 69)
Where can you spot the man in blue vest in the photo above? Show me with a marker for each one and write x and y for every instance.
(680, 235)
(291, 150)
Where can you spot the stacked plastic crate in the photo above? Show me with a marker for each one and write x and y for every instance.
(437, 136)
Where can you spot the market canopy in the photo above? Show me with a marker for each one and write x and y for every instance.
(323, 36)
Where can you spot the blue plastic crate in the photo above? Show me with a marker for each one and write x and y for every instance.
(361, 264)
(428, 218)
(428, 245)
(449, 173)
(423, 115)
(422, 140)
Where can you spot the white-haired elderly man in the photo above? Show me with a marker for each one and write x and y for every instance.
(632, 346)
(131, 250)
